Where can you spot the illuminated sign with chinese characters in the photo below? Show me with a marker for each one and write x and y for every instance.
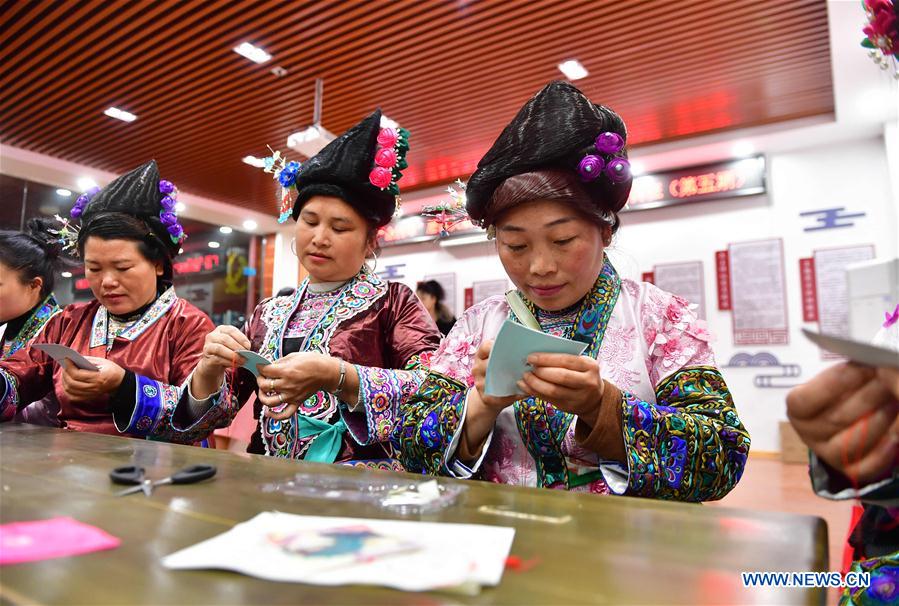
(698, 183)
(692, 184)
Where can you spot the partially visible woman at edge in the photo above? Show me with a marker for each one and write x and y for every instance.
(136, 331)
(347, 346)
(644, 411)
(29, 261)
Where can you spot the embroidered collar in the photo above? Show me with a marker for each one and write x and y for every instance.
(542, 427)
(33, 325)
(160, 306)
(359, 294)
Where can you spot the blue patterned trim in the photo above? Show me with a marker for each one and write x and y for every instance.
(99, 328)
(9, 403)
(33, 325)
(148, 407)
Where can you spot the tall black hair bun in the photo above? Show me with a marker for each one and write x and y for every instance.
(39, 230)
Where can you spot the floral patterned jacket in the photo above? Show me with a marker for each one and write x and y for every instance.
(682, 437)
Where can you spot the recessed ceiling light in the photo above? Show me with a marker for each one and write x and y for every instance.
(250, 225)
(254, 161)
(214, 244)
(65, 193)
(120, 114)
(225, 229)
(85, 183)
(741, 149)
(573, 69)
(252, 52)
(180, 207)
(66, 274)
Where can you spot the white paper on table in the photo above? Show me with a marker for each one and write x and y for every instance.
(449, 554)
(509, 357)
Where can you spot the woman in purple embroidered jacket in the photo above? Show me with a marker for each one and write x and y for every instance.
(643, 411)
(330, 393)
(135, 332)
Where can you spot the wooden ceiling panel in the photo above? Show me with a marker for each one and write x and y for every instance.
(453, 72)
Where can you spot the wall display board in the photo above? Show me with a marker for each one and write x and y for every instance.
(758, 291)
(684, 279)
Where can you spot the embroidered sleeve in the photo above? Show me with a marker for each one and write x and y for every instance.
(411, 341)
(431, 420)
(689, 445)
(161, 410)
(381, 391)
(427, 424)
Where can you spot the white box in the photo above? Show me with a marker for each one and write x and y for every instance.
(873, 288)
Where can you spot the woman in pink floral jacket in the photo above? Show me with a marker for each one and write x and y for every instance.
(644, 411)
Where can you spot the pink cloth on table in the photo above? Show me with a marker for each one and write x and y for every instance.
(53, 538)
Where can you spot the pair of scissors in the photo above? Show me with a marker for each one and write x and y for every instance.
(135, 475)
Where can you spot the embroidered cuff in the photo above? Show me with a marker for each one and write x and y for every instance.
(146, 410)
(197, 407)
(457, 468)
(381, 390)
(605, 438)
(9, 402)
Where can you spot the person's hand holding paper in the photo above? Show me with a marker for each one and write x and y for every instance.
(509, 358)
(522, 362)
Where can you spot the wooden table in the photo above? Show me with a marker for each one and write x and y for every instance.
(612, 551)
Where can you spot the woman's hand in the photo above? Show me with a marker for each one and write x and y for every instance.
(87, 385)
(848, 416)
(479, 372)
(570, 383)
(287, 382)
(219, 354)
(482, 410)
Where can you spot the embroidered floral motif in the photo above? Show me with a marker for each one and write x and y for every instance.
(616, 355)
(455, 356)
(424, 432)
(674, 336)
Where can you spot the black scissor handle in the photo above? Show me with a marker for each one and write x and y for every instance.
(194, 473)
(127, 475)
